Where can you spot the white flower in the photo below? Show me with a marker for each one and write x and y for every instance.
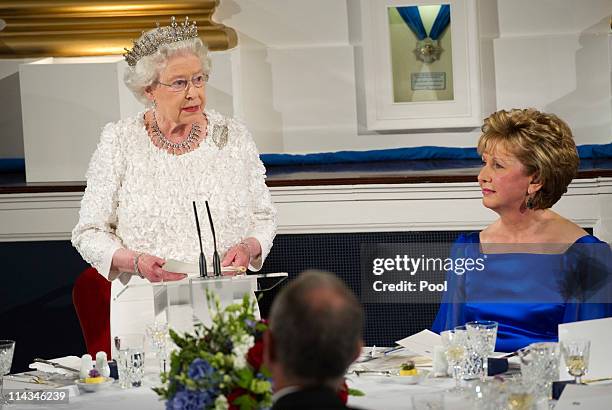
(221, 403)
(240, 350)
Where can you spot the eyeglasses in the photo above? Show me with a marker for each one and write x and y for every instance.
(181, 84)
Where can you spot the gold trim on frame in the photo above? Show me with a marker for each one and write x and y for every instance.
(67, 28)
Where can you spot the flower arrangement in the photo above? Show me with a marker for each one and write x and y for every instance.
(219, 367)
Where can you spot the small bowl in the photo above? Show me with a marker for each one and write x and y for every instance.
(416, 379)
(94, 387)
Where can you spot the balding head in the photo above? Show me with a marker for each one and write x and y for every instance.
(316, 325)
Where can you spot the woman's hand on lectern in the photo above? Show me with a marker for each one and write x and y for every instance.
(150, 268)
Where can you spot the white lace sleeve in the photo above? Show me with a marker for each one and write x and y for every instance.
(263, 213)
(94, 235)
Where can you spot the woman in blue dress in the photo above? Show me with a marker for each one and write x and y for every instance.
(540, 269)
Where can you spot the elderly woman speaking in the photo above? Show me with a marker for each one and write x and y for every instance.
(147, 170)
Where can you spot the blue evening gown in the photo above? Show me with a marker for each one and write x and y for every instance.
(528, 294)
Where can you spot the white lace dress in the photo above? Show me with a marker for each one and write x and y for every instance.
(140, 197)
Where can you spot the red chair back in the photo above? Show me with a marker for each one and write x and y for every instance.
(91, 298)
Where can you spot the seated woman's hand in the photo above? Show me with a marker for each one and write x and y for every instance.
(150, 267)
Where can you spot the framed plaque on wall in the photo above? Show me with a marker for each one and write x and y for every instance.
(421, 64)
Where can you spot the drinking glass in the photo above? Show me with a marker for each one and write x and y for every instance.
(519, 396)
(487, 395)
(129, 352)
(7, 348)
(157, 333)
(576, 356)
(455, 344)
(472, 363)
(540, 367)
(482, 335)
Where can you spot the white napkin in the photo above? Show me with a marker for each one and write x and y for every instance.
(422, 343)
(69, 361)
(585, 397)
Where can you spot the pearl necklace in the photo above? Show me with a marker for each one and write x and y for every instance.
(189, 143)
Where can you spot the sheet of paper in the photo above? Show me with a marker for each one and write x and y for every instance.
(172, 265)
(422, 343)
(599, 332)
(576, 397)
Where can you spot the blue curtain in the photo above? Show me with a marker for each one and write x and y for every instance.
(441, 22)
(412, 17)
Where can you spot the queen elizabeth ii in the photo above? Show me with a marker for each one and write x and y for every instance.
(147, 170)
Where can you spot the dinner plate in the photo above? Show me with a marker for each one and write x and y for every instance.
(94, 387)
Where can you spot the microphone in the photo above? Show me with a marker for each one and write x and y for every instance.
(216, 260)
(203, 272)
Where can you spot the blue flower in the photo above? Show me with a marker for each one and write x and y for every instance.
(261, 376)
(200, 369)
(190, 400)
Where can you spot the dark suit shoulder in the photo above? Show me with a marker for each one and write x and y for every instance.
(311, 398)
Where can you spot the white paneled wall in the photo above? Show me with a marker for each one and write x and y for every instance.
(295, 77)
(334, 209)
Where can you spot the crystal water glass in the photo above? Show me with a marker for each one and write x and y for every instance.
(455, 344)
(130, 356)
(576, 356)
(158, 335)
(518, 396)
(7, 348)
(472, 363)
(540, 367)
(488, 395)
(482, 335)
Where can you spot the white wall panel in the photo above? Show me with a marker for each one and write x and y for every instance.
(333, 209)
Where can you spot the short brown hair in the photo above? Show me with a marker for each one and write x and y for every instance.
(316, 323)
(542, 142)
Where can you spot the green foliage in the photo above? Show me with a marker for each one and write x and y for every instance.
(223, 345)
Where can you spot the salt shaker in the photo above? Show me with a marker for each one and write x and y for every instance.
(86, 366)
(102, 364)
(440, 365)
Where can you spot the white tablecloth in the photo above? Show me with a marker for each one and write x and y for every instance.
(111, 398)
(384, 393)
(381, 394)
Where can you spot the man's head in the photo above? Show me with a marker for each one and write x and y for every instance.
(315, 330)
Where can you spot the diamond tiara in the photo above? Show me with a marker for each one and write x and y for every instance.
(149, 42)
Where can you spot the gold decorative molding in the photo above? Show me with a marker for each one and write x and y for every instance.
(64, 28)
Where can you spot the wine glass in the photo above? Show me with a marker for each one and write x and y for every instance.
(482, 335)
(576, 356)
(455, 343)
(157, 333)
(7, 348)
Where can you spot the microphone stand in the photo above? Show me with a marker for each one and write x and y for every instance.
(203, 272)
(216, 259)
